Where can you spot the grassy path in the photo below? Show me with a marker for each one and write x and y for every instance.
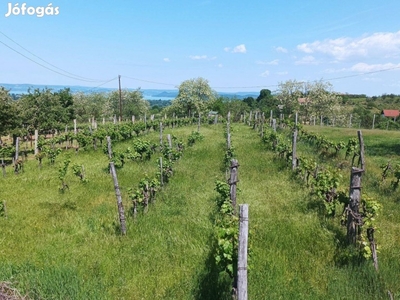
(65, 246)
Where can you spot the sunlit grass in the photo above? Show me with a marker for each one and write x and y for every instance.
(67, 245)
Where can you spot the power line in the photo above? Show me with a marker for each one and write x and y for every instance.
(76, 77)
(137, 79)
(84, 78)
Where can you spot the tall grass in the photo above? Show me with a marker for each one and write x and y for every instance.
(67, 245)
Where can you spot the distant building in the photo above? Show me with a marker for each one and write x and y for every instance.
(391, 113)
(303, 101)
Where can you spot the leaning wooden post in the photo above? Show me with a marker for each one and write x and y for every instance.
(232, 182)
(121, 212)
(242, 251)
(109, 147)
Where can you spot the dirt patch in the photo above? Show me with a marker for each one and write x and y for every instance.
(9, 293)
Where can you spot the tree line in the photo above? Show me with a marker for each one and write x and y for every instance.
(46, 110)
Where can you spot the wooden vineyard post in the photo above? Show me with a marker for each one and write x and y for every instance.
(66, 139)
(242, 251)
(228, 130)
(372, 245)
(3, 167)
(270, 119)
(109, 147)
(161, 173)
(294, 145)
(361, 143)
(161, 137)
(16, 149)
(121, 212)
(36, 141)
(373, 122)
(232, 182)
(198, 124)
(352, 210)
(354, 218)
(274, 124)
(169, 141)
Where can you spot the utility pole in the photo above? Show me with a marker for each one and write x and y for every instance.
(120, 97)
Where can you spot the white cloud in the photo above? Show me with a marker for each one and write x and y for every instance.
(281, 50)
(366, 68)
(363, 67)
(198, 57)
(272, 62)
(306, 60)
(219, 65)
(238, 49)
(265, 74)
(381, 44)
(202, 57)
(166, 59)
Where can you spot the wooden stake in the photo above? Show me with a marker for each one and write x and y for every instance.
(121, 212)
(16, 149)
(161, 173)
(232, 182)
(36, 142)
(352, 210)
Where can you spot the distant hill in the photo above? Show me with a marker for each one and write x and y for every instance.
(150, 94)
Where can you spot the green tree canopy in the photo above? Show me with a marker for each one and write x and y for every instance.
(93, 105)
(9, 117)
(133, 103)
(45, 110)
(195, 96)
(289, 93)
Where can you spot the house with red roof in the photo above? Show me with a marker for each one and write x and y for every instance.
(391, 113)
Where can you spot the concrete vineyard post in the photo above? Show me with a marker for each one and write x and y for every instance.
(242, 251)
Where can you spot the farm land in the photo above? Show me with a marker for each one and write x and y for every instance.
(66, 243)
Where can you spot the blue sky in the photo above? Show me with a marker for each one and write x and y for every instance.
(235, 45)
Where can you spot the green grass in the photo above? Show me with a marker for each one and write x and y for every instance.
(67, 245)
